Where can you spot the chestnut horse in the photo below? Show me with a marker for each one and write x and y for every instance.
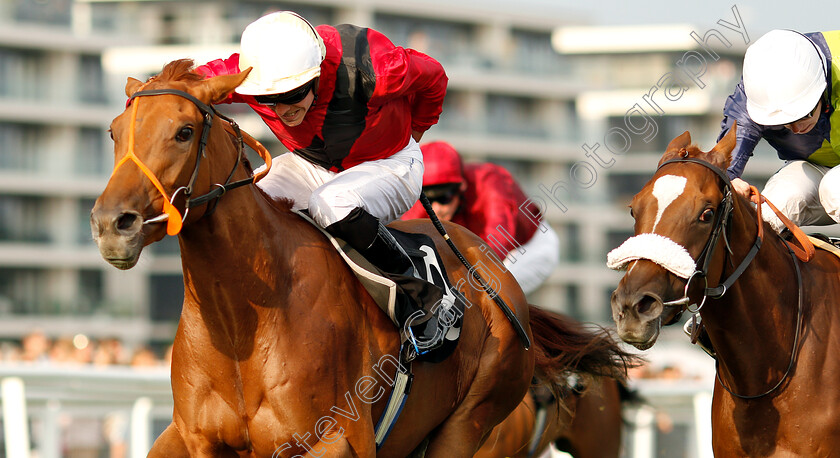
(773, 320)
(280, 351)
(588, 424)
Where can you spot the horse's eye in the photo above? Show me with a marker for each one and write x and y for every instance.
(631, 213)
(708, 215)
(184, 134)
(111, 133)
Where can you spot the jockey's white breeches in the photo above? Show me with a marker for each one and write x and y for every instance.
(808, 194)
(533, 262)
(385, 188)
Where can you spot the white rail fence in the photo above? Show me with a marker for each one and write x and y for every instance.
(52, 412)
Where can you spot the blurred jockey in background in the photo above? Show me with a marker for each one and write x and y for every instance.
(486, 199)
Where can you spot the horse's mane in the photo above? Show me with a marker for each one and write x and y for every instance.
(179, 70)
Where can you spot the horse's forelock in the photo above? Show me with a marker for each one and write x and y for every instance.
(179, 70)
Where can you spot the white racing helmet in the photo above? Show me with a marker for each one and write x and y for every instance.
(284, 52)
(784, 77)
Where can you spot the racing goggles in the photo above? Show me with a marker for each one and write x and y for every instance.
(442, 194)
(286, 98)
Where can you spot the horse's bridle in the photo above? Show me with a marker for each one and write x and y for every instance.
(208, 112)
(721, 228)
(723, 219)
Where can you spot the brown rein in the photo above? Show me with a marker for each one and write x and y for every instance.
(805, 251)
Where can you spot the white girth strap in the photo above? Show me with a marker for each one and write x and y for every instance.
(654, 247)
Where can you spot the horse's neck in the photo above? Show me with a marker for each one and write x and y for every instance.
(246, 236)
(745, 322)
(243, 225)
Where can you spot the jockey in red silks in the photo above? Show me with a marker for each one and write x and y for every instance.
(350, 107)
(486, 199)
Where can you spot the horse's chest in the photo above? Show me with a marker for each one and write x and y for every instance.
(793, 425)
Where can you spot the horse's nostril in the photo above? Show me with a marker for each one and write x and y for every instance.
(125, 221)
(644, 304)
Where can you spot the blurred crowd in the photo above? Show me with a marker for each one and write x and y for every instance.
(86, 434)
(666, 372)
(37, 347)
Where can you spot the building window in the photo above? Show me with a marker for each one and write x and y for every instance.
(83, 219)
(573, 306)
(20, 146)
(533, 53)
(91, 84)
(242, 13)
(22, 219)
(105, 17)
(90, 299)
(22, 291)
(512, 115)
(615, 238)
(166, 246)
(167, 297)
(447, 42)
(21, 73)
(573, 252)
(90, 156)
(626, 185)
(57, 12)
(456, 112)
(650, 133)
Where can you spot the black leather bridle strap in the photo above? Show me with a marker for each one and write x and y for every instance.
(208, 111)
(723, 219)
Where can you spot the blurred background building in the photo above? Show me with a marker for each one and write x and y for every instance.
(533, 90)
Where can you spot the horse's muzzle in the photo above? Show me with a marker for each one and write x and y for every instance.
(118, 236)
(637, 316)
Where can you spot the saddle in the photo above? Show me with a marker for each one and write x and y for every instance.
(830, 244)
(428, 266)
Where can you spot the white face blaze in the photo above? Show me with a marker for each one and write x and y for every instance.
(666, 189)
(654, 247)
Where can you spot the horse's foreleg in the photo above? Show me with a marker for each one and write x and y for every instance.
(169, 444)
(341, 448)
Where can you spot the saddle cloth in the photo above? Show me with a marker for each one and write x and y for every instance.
(427, 265)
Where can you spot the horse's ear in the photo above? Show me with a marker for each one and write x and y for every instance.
(132, 86)
(676, 145)
(680, 142)
(721, 154)
(219, 87)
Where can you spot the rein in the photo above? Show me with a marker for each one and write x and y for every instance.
(795, 339)
(722, 222)
(171, 214)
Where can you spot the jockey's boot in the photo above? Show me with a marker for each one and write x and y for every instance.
(416, 298)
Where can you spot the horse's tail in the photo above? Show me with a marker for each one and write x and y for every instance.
(563, 346)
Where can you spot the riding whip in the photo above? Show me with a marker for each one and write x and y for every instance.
(517, 326)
